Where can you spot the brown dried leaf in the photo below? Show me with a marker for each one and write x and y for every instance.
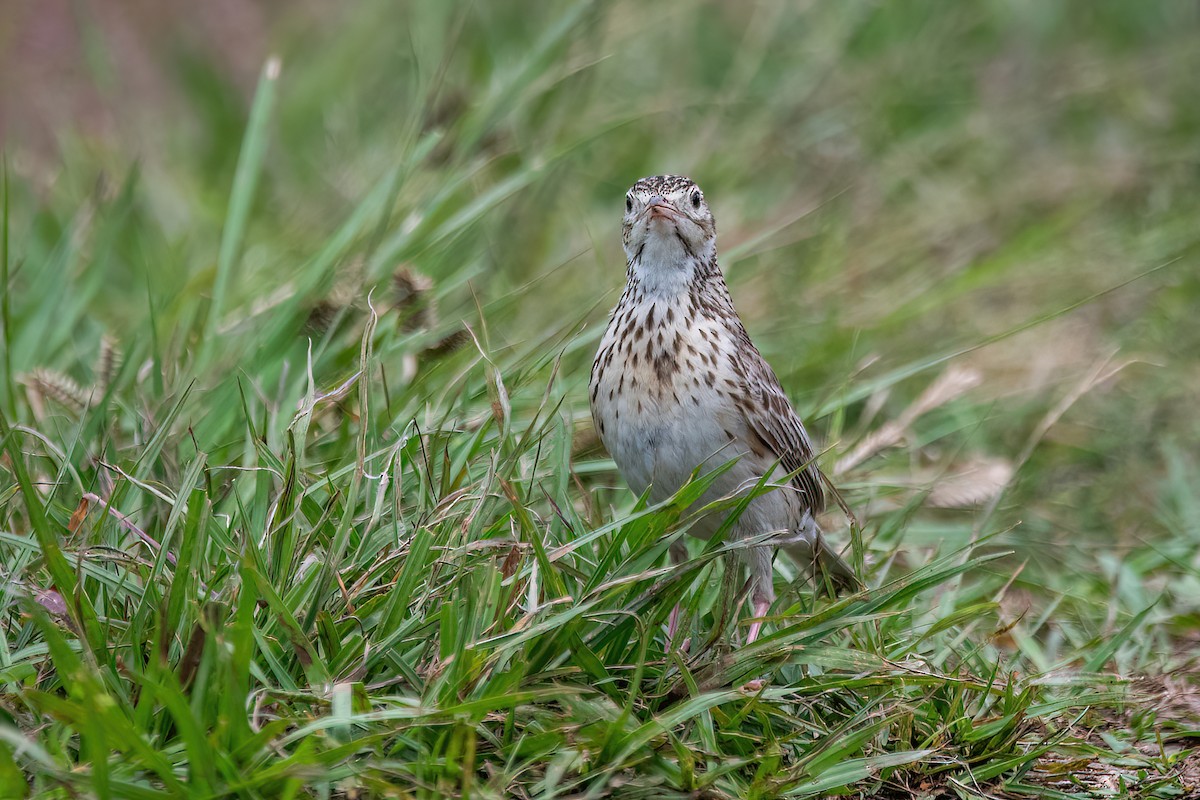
(511, 562)
(80, 514)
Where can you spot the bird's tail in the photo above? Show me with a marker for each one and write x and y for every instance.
(828, 569)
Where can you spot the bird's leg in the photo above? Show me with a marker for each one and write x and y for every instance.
(763, 592)
(679, 555)
(673, 623)
(761, 607)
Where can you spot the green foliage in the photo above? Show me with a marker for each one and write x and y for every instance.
(298, 495)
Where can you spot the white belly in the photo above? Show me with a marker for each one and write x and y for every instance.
(663, 444)
(661, 454)
(660, 427)
(659, 439)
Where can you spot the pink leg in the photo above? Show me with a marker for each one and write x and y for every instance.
(761, 607)
(762, 593)
(673, 623)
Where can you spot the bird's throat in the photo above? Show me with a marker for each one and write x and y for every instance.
(665, 266)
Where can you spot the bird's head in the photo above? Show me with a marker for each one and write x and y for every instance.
(669, 233)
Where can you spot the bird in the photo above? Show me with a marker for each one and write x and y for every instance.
(677, 387)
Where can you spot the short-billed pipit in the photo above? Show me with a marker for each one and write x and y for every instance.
(678, 385)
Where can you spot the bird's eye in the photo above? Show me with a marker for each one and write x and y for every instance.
(695, 198)
(628, 203)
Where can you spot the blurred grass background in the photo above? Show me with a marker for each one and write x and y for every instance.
(1005, 190)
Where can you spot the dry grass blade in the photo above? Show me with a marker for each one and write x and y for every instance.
(972, 484)
(954, 382)
(123, 520)
(1100, 372)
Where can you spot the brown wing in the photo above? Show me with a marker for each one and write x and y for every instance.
(770, 417)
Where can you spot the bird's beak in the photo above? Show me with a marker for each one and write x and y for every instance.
(659, 208)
